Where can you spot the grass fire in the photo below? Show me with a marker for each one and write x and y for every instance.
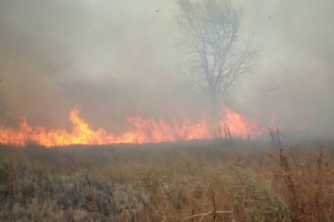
(145, 131)
(177, 110)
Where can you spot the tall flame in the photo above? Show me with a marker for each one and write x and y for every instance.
(144, 131)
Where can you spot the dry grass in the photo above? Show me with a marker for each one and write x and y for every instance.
(167, 182)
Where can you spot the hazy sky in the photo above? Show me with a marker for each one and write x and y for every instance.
(112, 58)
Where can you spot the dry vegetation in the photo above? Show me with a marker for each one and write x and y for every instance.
(167, 182)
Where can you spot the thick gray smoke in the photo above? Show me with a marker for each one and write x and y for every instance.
(113, 58)
(295, 78)
(110, 58)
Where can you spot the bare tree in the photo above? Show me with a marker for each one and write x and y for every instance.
(217, 55)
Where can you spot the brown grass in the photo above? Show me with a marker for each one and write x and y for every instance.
(167, 182)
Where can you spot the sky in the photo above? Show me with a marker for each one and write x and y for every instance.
(115, 58)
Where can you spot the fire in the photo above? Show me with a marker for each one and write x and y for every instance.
(239, 126)
(147, 130)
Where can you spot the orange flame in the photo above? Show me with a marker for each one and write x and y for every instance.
(145, 131)
(239, 126)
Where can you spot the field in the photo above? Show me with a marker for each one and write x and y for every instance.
(182, 181)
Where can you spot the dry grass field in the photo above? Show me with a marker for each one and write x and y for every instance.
(193, 181)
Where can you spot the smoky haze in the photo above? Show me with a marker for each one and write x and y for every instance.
(113, 58)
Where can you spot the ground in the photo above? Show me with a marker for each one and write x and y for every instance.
(182, 181)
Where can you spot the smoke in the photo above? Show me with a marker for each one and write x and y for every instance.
(113, 58)
(294, 79)
(109, 58)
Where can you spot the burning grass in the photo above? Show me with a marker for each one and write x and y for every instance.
(167, 182)
(143, 130)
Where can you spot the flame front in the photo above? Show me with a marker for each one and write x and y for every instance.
(144, 131)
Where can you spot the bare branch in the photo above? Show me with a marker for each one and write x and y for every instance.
(206, 214)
